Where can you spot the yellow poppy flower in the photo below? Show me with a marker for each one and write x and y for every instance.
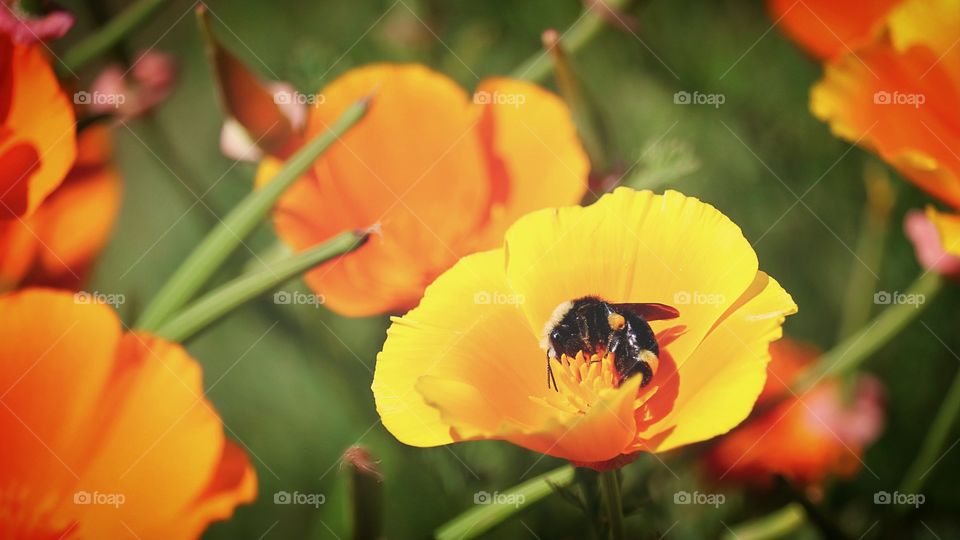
(469, 362)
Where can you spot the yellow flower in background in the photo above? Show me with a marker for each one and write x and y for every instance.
(469, 362)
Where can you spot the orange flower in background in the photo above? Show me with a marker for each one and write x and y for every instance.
(440, 174)
(37, 130)
(106, 434)
(468, 363)
(57, 245)
(829, 28)
(805, 438)
(899, 96)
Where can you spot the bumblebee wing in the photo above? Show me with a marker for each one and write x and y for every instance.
(651, 311)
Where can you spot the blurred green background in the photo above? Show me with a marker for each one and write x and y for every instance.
(292, 382)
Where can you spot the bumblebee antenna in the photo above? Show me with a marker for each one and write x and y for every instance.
(550, 377)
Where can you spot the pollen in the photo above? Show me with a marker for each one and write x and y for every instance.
(616, 321)
(581, 382)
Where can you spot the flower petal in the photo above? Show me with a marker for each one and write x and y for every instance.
(948, 225)
(160, 412)
(57, 359)
(461, 332)
(632, 247)
(534, 155)
(898, 96)
(418, 140)
(721, 380)
(827, 28)
(39, 130)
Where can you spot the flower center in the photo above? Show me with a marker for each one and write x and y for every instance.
(581, 382)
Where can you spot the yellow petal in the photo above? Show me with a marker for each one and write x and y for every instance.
(467, 328)
(948, 225)
(721, 380)
(632, 247)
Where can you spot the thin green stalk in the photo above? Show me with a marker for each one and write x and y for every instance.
(874, 226)
(576, 36)
(932, 447)
(776, 525)
(610, 491)
(482, 517)
(223, 300)
(210, 254)
(854, 349)
(100, 42)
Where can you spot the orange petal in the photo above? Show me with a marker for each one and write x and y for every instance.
(37, 144)
(106, 434)
(18, 248)
(416, 141)
(827, 28)
(534, 157)
(75, 222)
(898, 96)
(58, 357)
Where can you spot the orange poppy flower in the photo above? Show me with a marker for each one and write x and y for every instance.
(898, 96)
(37, 128)
(58, 243)
(469, 362)
(106, 434)
(805, 438)
(440, 174)
(829, 28)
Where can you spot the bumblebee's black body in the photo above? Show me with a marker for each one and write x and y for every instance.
(586, 326)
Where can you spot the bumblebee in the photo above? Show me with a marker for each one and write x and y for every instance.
(594, 326)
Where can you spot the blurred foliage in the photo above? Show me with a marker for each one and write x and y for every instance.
(292, 382)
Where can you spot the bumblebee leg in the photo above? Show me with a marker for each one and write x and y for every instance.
(614, 343)
(584, 328)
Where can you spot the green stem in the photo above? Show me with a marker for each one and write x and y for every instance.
(854, 349)
(776, 525)
(869, 250)
(610, 491)
(482, 517)
(210, 254)
(538, 66)
(247, 287)
(937, 436)
(109, 35)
